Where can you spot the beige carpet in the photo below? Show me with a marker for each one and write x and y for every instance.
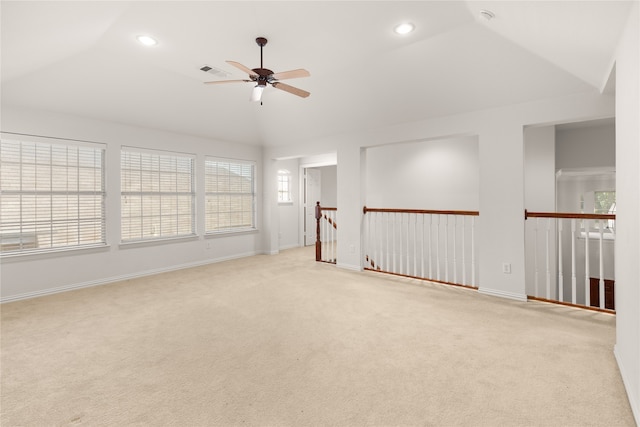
(284, 341)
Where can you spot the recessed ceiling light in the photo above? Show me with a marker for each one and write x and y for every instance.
(147, 40)
(404, 28)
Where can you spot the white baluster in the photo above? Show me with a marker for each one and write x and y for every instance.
(366, 244)
(408, 236)
(422, 246)
(573, 261)
(473, 251)
(548, 257)
(587, 273)
(388, 246)
(430, 246)
(393, 237)
(400, 246)
(464, 249)
(455, 263)
(446, 248)
(333, 236)
(601, 284)
(438, 249)
(535, 257)
(371, 240)
(415, 245)
(376, 231)
(380, 234)
(325, 239)
(560, 273)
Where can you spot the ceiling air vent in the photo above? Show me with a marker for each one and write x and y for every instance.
(215, 71)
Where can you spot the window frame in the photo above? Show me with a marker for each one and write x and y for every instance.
(284, 174)
(88, 209)
(150, 198)
(239, 229)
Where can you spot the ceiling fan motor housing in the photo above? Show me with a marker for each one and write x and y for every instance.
(263, 76)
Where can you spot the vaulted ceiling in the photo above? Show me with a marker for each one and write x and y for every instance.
(82, 58)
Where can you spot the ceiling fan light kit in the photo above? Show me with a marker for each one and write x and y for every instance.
(256, 94)
(263, 76)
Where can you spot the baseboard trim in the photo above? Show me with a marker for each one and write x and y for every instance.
(634, 403)
(503, 294)
(113, 279)
(284, 248)
(349, 267)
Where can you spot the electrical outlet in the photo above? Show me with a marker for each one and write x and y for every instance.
(506, 268)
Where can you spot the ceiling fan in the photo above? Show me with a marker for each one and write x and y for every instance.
(263, 76)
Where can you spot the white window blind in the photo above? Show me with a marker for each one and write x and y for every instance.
(229, 195)
(157, 195)
(52, 194)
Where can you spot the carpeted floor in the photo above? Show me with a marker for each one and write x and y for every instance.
(284, 341)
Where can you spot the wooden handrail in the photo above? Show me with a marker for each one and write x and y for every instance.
(324, 208)
(420, 211)
(569, 215)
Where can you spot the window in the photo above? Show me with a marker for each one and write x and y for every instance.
(284, 186)
(51, 194)
(157, 195)
(230, 196)
(605, 203)
(602, 202)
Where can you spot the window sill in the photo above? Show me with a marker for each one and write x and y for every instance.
(231, 233)
(52, 253)
(156, 242)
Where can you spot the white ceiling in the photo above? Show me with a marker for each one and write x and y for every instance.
(82, 58)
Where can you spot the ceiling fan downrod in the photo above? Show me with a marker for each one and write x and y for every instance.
(261, 42)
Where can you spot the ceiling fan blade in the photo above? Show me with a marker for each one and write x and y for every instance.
(215, 82)
(243, 68)
(293, 74)
(291, 89)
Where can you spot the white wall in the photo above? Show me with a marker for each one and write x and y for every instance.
(627, 348)
(329, 190)
(591, 146)
(439, 174)
(288, 213)
(32, 275)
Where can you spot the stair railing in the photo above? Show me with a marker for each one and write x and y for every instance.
(436, 245)
(573, 258)
(326, 234)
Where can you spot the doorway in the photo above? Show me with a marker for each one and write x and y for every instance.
(320, 185)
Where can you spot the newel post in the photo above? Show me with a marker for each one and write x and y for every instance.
(318, 243)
